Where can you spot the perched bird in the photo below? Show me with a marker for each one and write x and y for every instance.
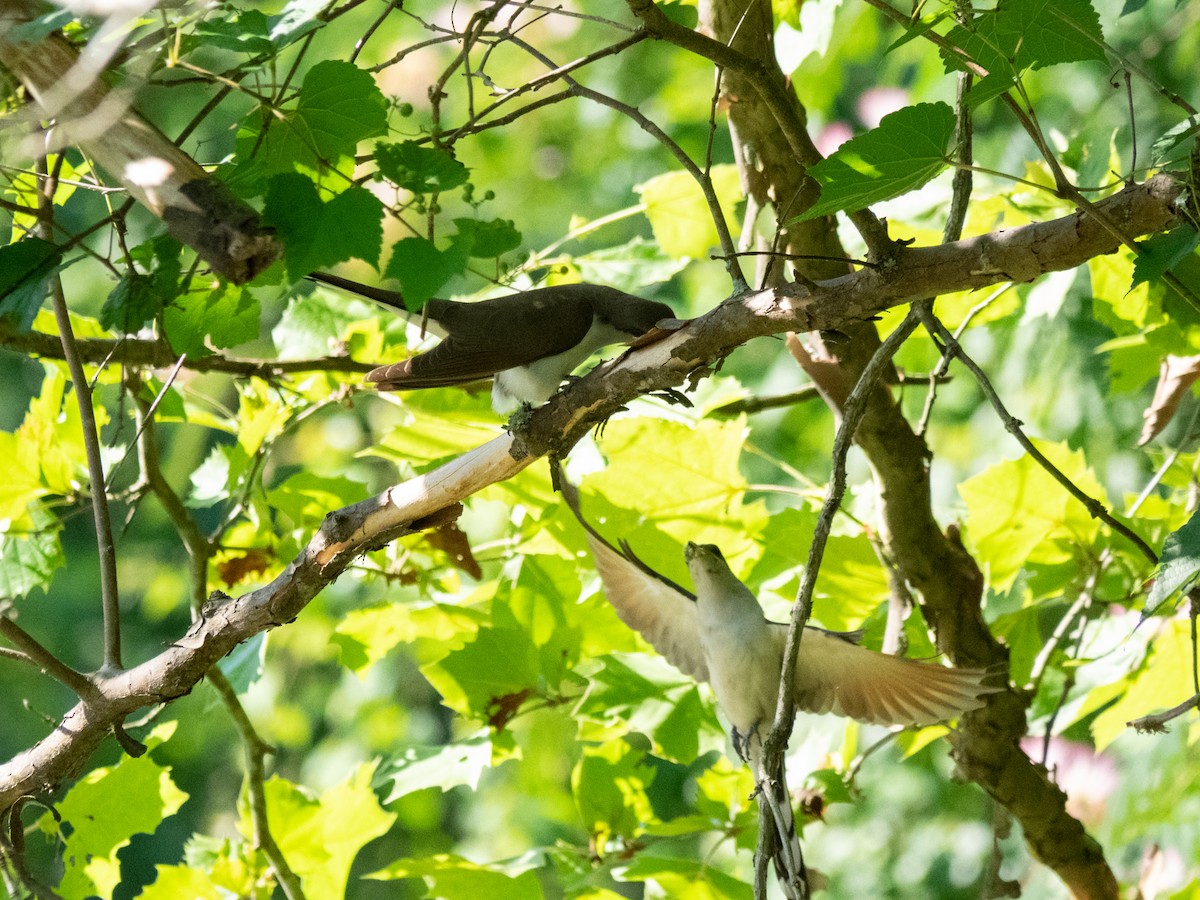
(528, 342)
(720, 635)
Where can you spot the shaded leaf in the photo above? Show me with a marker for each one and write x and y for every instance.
(25, 267)
(485, 240)
(419, 169)
(422, 269)
(1178, 565)
(318, 234)
(906, 150)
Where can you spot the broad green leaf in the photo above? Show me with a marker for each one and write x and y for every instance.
(906, 150)
(609, 783)
(1176, 143)
(443, 766)
(1017, 512)
(22, 484)
(318, 234)
(680, 217)
(29, 559)
(314, 324)
(490, 676)
(365, 636)
(419, 169)
(685, 479)
(1165, 680)
(850, 585)
(244, 664)
(486, 240)
(198, 322)
(1178, 565)
(629, 267)
(262, 414)
(442, 424)
(246, 32)
(220, 476)
(447, 875)
(686, 877)
(305, 498)
(105, 809)
(1026, 34)
(131, 304)
(25, 267)
(339, 105)
(320, 836)
(1163, 252)
(422, 269)
(175, 882)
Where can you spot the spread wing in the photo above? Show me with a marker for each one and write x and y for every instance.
(490, 336)
(645, 600)
(835, 675)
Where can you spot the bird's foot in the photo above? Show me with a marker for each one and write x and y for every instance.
(520, 418)
(742, 741)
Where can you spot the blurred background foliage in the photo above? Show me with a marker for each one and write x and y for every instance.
(499, 729)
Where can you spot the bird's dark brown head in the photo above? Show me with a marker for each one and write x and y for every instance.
(626, 312)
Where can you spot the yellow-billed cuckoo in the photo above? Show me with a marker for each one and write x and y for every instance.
(527, 342)
(719, 635)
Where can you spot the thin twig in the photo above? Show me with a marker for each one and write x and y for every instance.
(855, 408)
(1013, 426)
(41, 658)
(1157, 723)
(109, 593)
(256, 752)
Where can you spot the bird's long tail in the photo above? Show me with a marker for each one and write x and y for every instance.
(782, 843)
(379, 295)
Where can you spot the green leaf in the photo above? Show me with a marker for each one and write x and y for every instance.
(219, 476)
(1178, 565)
(628, 267)
(224, 317)
(317, 234)
(442, 766)
(366, 636)
(1161, 253)
(679, 215)
(339, 105)
(421, 170)
(28, 560)
(105, 809)
(686, 876)
(1016, 512)
(609, 783)
(248, 31)
(903, 153)
(174, 882)
(486, 240)
(447, 875)
(1163, 151)
(244, 665)
(131, 304)
(422, 269)
(25, 268)
(1026, 34)
(320, 836)
(314, 324)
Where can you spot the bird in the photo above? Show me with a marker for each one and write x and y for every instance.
(527, 342)
(719, 635)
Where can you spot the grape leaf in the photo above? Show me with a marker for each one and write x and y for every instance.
(1025, 34)
(1178, 565)
(221, 318)
(422, 170)
(422, 269)
(316, 234)
(486, 240)
(903, 153)
(339, 105)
